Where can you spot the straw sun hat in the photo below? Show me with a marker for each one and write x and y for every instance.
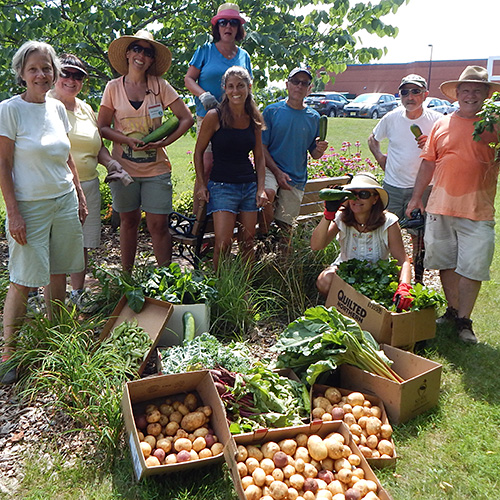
(471, 74)
(118, 49)
(365, 180)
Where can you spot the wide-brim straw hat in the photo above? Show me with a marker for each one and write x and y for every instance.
(471, 74)
(118, 48)
(366, 180)
(228, 11)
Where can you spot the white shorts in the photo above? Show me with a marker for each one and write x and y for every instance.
(287, 201)
(461, 244)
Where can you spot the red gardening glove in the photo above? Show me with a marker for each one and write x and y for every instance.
(331, 208)
(402, 297)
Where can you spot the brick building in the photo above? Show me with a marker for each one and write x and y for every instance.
(361, 78)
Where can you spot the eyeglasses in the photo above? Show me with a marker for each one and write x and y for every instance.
(232, 22)
(74, 75)
(363, 194)
(405, 92)
(302, 83)
(139, 49)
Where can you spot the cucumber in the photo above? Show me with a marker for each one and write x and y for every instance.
(166, 128)
(189, 326)
(323, 127)
(416, 130)
(331, 194)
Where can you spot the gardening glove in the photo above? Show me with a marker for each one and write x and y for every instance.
(116, 173)
(402, 297)
(331, 208)
(208, 101)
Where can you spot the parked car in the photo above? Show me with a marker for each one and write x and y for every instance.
(372, 105)
(327, 103)
(438, 105)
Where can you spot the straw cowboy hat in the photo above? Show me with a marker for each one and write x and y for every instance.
(471, 74)
(228, 11)
(365, 180)
(118, 49)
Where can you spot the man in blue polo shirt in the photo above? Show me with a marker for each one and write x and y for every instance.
(292, 130)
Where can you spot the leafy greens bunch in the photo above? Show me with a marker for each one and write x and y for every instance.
(379, 281)
(323, 339)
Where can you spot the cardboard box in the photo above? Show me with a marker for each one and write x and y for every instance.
(138, 393)
(396, 329)
(276, 435)
(173, 332)
(152, 319)
(378, 463)
(418, 393)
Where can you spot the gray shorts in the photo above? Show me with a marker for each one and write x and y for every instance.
(151, 194)
(399, 199)
(287, 201)
(55, 241)
(92, 226)
(461, 244)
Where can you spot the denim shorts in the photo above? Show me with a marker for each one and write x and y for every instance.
(55, 241)
(230, 197)
(151, 194)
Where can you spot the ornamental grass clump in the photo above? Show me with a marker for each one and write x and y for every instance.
(323, 339)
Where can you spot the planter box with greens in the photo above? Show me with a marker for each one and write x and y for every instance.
(364, 291)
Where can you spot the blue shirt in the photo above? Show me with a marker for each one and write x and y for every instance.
(289, 134)
(212, 65)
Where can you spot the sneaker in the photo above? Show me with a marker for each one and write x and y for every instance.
(35, 304)
(464, 330)
(449, 316)
(9, 377)
(83, 301)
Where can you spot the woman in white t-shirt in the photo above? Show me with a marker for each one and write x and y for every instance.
(132, 106)
(43, 198)
(364, 229)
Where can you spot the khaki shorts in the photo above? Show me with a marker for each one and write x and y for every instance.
(92, 226)
(199, 119)
(55, 241)
(287, 201)
(461, 244)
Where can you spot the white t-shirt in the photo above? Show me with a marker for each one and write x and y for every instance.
(403, 153)
(371, 246)
(41, 150)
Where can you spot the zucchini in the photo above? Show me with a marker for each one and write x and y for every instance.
(332, 194)
(189, 325)
(166, 128)
(416, 130)
(323, 127)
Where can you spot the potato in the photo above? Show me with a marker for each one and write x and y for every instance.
(349, 419)
(141, 422)
(310, 484)
(259, 476)
(251, 463)
(146, 449)
(255, 452)
(153, 416)
(293, 494)
(371, 496)
(376, 411)
(211, 439)
(338, 496)
(386, 447)
(166, 410)
(207, 410)
(327, 464)
(362, 487)
(321, 402)
(342, 463)
(150, 408)
(310, 471)
(151, 440)
(373, 425)
(309, 495)
(355, 398)
(317, 449)
(302, 453)
(152, 461)
(299, 465)
(164, 444)
(288, 471)
(205, 453)
(354, 460)
(372, 442)
(154, 429)
(333, 395)
(269, 480)
(297, 481)
(352, 494)
(323, 495)
(335, 487)
(386, 431)
(199, 444)
(301, 439)
(194, 455)
(171, 428)
(253, 492)
(192, 421)
(358, 411)
(181, 433)
(267, 465)
(280, 459)
(183, 444)
(288, 446)
(366, 452)
(217, 448)
(326, 417)
(278, 490)
(191, 401)
(176, 416)
(183, 456)
(358, 472)
(269, 449)
(344, 475)
(182, 408)
(200, 432)
(326, 475)
(317, 413)
(337, 413)
(278, 475)
(356, 429)
(176, 405)
(242, 453)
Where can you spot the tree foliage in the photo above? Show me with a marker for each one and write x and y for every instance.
(278, 36)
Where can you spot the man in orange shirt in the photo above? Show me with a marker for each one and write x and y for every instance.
(460, 234)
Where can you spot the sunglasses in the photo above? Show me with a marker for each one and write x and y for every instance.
(405, 92)
(363, 194)
(139, 49)
(302, 83)
(232, 22)
(74, 75)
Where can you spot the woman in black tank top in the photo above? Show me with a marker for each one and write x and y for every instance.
(235, 189)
